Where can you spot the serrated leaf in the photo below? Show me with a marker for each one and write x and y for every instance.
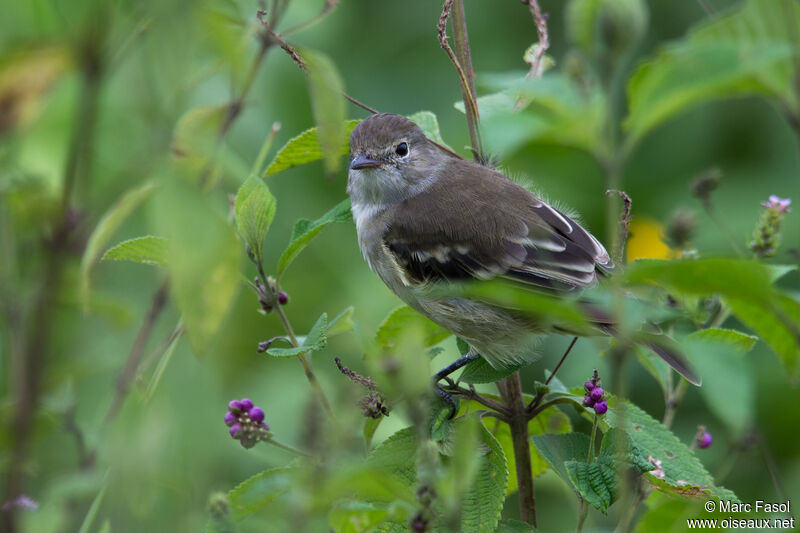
(508, 525)
(254, 209)
(105, 229)
(403, 318)
(683, 473)
(353, 516)
(316, 340)
(256, 492)
(429, 125)
(396, 455)
(751, 50)
(148, 249)
(482, 503)
(597, 482)
(342, 322)
(305, 230)
(203, 257)
(559, 449)
(480, 371)
(305, 148)
(325, 89)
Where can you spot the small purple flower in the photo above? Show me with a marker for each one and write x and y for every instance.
(246, 404)
(235, 430)
(588, 386)
(283, 298)
(21, 502)
(601, 407)
(256, 414)
(597, 394)
(230, 419)
(705, 441)
(781, 204)
(587, 400)
(235, 407)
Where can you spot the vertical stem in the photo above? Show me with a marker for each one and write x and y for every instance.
(511, 391)
(461, 41)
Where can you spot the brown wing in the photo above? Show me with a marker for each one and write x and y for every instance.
(476, 223)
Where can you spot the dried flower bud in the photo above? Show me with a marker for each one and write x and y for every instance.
(704, 184)
(680, 229)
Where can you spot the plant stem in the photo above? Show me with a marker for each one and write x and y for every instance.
(271, 293)
(673, 401)
(461, 41)
(287, 448)
(584, 512)
(511, 391)
(591, 440)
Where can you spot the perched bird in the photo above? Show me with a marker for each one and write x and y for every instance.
(425, 219)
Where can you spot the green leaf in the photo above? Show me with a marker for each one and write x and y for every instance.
(508, 525)
(429, 125)
(560, 449)
(751, 50)
(316, 340)
(351, 516)
(553, 108)
(305, 148)
(254, 209)
(203, 257)
(370, 427)
(480, 371)
(598, 482)
(681, 472)
(778, 325)
(483, 502)
(396, 456)
(195, 141)
(595, 482)
(341, 323)
(325, 89)
(259, 490)
(305, 230)
(729, 338)
(105, 229)
(148, 249)
(720, 360)
(404, 318)
(734, 278)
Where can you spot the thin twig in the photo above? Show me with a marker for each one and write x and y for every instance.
(624, 224)
(472, 394)
(540, 20)
(535, 402)
(128, 372)
(298, 59)
(465, 79)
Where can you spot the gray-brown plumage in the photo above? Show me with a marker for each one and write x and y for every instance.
(424, 218)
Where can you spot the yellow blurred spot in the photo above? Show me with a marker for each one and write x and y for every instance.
(645, 240)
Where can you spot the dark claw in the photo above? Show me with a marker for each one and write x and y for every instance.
(448, 398)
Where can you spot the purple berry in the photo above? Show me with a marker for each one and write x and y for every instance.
(704, 441)
(589, 386)
(601, 407)
(246, 404)
(235, 407)
(256, 415)
(587, 401)
(283, 298)
(235, 430)
(230, 419)
(597, 394)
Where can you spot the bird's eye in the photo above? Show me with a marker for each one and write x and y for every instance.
(402, 149)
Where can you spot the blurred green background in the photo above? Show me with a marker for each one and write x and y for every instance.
(156, 60)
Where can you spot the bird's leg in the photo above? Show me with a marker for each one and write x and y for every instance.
(462, 361)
